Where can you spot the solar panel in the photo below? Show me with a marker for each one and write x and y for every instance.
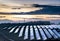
(32, 32)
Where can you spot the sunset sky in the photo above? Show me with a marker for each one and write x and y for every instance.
(22, 17)
(7, 8)
(49, 2)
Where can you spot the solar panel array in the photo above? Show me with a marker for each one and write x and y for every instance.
(32, 32)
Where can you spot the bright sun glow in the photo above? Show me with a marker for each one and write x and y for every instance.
(22, 17)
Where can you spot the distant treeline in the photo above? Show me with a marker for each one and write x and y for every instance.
(29, 23)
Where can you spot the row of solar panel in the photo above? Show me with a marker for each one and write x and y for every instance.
(35, 32)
